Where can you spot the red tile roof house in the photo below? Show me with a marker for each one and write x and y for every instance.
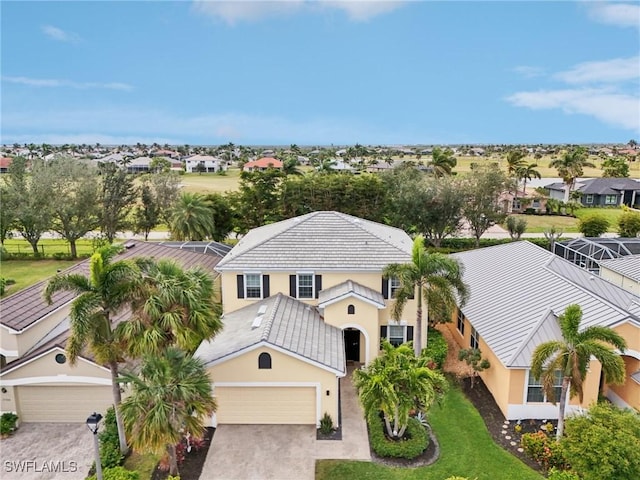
(5, 162)
(262, 164)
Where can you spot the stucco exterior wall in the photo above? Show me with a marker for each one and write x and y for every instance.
(284, 370)
(46, 366)
(629, 393)
(627, 283)
(631, 334)
(26, 339)
(365, 319)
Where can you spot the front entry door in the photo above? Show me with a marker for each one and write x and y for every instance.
(352, 344)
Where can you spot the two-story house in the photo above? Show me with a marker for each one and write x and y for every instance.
(302, 298)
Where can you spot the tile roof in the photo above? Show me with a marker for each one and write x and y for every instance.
(27, 306)
(629, 266)
(264, 162)
(286, 323)
(608, 186)
(516, 288)
(350, 288)
(5, 162)
(320, 241)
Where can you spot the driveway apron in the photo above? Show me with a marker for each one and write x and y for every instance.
(285, 452)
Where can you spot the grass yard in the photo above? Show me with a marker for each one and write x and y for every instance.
(211, 182)
(48, 247)
(28, 272)
(145, 464)
(540, 223)
(467, 450)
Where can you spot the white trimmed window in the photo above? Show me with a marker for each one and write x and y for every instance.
(305, 286)
(394, 286)
(474, 342)
(610, 199)
(252, 285)
(460, 322)
(589, 199)
(397, 334)
(535, 392)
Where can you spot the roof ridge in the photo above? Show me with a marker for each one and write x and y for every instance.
(531, 333)
(272, 315)
(360, 224)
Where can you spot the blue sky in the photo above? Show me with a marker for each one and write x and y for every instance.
(320, 72)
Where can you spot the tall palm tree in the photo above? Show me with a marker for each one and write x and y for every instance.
(515, 161)
(191, 218)
(526, 173)
(438, 279)
(571, 355)
(570, 166)
(442, 161)
(176, 308)
(170, 396)
(395, 383)
(110, 287)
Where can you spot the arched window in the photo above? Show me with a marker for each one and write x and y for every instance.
(264, 361)
(351, 309)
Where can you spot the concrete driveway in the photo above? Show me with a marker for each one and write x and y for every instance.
(46, 451)
(285, 452)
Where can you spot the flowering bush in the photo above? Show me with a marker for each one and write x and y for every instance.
(546, 452)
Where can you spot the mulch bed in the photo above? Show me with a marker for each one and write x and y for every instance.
(191, 468)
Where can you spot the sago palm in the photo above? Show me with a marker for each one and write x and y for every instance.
(438, 281)
(170, 396)
(176, 307)
(110, 287)
(571, 355)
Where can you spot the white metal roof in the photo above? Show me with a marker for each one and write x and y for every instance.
(628, 266)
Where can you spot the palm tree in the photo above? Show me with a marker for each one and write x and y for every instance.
(176, 308)
(442, 161)
(191, 218)
(526, 173)
(290, 166)
(169, 397)
(570, 166)
(110, 287)
(395, 383)
(571, 355)
(438, 279)
(515, 161)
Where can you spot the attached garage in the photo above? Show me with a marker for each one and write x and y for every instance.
(62, 403)
(266, 405)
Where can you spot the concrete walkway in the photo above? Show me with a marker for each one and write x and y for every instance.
(285, 452)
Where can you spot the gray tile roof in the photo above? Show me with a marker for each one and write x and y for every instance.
(286, 323)
(348, 288)
(320, 241)
(628, 266)
(23, 308)
(608, 186)
(516, 286)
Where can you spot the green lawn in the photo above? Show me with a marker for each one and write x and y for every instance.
(540, 223)
(467, 450)
(48, 247)
(28, 272)
(211, 182)
(145, 465)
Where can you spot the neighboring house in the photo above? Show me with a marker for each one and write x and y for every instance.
(623, 271)
(262, 164)
(139, 165)
(5, 163)
(508, 316)
(589, 253)
(601, 192)
(524, 202)
(204, 164)
(301, 297)
(37, 381)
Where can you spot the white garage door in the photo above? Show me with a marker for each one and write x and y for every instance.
(266, 405)
(62, 404)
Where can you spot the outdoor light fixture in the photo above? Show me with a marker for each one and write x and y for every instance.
(92, 423)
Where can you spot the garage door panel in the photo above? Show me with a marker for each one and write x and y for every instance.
(62, 404)
(266, 405)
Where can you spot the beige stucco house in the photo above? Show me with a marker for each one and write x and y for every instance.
(36, 380)
(302, 298)
(517, 292)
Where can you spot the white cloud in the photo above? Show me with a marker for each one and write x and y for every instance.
(60, 35)
(237, 11)
(611, 107)
(56, 83)
(608, 71)
(619, 14)
(529, 71)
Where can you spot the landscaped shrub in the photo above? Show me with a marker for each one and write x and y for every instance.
(593, 225)
(459, 244)
(110, 455)
(629, 224)
(117, 473)
(545, 451)
(326, 424)
(556, 474)
(8, 422)
(436, 348)
(3, 285)
(414, 445)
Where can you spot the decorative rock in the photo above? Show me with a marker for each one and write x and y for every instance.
(504, 432)
(507, 422)
(521, 450)
(513, 444)
(508, 437)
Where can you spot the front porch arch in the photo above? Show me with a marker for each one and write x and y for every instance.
(367, 341)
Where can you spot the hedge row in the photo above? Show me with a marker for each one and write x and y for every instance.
(412, 447)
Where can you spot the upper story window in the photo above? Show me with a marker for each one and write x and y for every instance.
(460, 322)
(351, 310)
(474, 342)
(253, 285)
(396, 334)
(264, 361)
(535, 392)
(394, 286)
(305, 285)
